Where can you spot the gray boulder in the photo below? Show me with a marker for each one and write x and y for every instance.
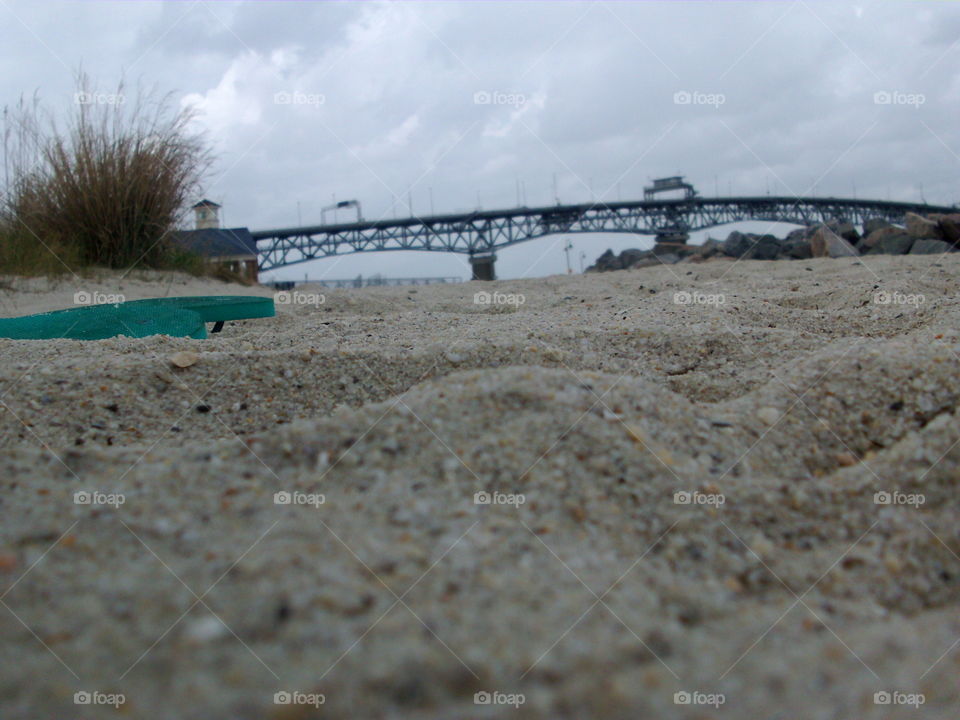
(950, 227)
(923, 228)
(874, 238)
(872, 224)
(845, 230)
(608, 261)
(710, 248)
(737, 244)
(629, 258)
(797, 248)
(767, 247)
(930, 247)
(890, 241)
(674, 248)
(826, 243)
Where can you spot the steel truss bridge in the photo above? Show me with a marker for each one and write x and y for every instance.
(485, 231)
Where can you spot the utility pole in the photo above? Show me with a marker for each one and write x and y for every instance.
(6, 168)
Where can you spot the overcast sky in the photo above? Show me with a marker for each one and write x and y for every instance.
(305, 102)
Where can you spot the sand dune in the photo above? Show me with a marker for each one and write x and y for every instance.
(624, 487)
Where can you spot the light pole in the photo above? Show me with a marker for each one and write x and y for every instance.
(566, 249)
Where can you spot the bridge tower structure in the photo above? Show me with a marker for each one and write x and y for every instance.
(677, 231)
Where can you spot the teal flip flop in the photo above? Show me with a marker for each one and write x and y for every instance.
(177, 316)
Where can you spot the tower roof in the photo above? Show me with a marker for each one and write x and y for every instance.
(205, 203)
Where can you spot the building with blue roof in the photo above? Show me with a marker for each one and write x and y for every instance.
(234, 248)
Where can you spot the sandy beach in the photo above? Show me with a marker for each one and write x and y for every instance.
(725, 489)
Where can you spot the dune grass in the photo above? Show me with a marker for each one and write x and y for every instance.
(102, 188)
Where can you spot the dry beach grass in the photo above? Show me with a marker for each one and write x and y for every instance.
(785, 389)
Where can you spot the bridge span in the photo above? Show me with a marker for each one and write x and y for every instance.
(481, 233)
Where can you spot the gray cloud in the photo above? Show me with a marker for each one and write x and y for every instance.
(587, 91)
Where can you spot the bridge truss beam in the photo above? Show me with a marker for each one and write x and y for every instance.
(491, 230)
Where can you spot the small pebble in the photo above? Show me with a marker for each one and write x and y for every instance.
(205, 629)
(769, 415)
(184, 359)
(846, 459)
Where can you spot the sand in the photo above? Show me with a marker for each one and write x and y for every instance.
(682, 499)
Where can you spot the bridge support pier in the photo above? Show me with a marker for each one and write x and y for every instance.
(483, 266)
